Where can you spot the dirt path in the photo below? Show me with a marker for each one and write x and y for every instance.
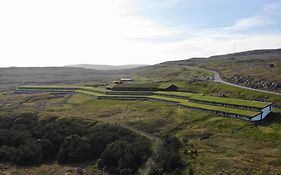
(150, 162)
(40, 106)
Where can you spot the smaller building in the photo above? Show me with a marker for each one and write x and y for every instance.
(269, 65)
(127, 79)
(169, 87)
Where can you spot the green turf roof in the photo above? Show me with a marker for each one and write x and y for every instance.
(99, 92)
(134, 85)
(229, 101)
(47, 87)
(102, 90)
(245, 113)
(90, 93)
(104, 95)
(165, 86)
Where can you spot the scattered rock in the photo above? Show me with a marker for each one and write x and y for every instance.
(254, 83)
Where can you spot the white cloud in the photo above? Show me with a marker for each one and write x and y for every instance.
(59, 32)
(257, 21)
(62, 32)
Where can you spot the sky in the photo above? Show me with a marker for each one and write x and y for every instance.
(117, 32)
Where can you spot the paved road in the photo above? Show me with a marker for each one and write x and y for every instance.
(217, 78)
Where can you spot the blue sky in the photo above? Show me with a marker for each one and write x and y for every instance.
(214, 14)
(200, 13)
(62, 32)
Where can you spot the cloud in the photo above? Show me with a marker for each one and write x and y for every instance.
(61, 32)
(252, 22)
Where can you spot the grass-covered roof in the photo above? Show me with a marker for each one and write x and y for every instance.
(213, 99)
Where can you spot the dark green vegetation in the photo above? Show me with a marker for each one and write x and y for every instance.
(168, 161)
(257, 69)
(28, 140)
(209, 144)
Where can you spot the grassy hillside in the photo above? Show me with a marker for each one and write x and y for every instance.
(12, 77)
(251, 68)
(167, 73)
(210, 144)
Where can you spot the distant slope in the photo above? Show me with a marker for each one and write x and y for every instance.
(107, 67)
(251, 68)
(260, 69)
(12, 77)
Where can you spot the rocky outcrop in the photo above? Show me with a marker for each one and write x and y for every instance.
(254, 83)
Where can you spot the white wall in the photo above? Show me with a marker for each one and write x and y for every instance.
(265, 112)
(257, 118)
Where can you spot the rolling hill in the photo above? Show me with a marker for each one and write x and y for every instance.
(107, 67)
(260, 69)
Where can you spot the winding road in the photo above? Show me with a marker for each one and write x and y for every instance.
(217, 78)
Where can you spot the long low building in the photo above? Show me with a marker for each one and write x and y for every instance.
(264, 108)
(142, 87)
(242, 109)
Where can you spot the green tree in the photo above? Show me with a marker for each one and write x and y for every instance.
(74, 149)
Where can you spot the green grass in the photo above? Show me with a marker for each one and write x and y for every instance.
(90, 93)
(95, 89)
(78, 99)
(235, 146)
(233, 101)
(213, 99)
(89, 88)
(136, 85)
(245, 113)
(47, 87)
(223, 90)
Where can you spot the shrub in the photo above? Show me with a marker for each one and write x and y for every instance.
(124, 157)
(7, 153)
(49, 150)
(29, 153)
(74, 149)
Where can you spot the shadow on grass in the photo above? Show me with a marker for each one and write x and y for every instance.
(274, 117)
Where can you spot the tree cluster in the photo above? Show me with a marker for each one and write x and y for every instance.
(168, 159)
(27, 140)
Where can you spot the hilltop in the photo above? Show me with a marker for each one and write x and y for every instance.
(107, 67)
(259, 69)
